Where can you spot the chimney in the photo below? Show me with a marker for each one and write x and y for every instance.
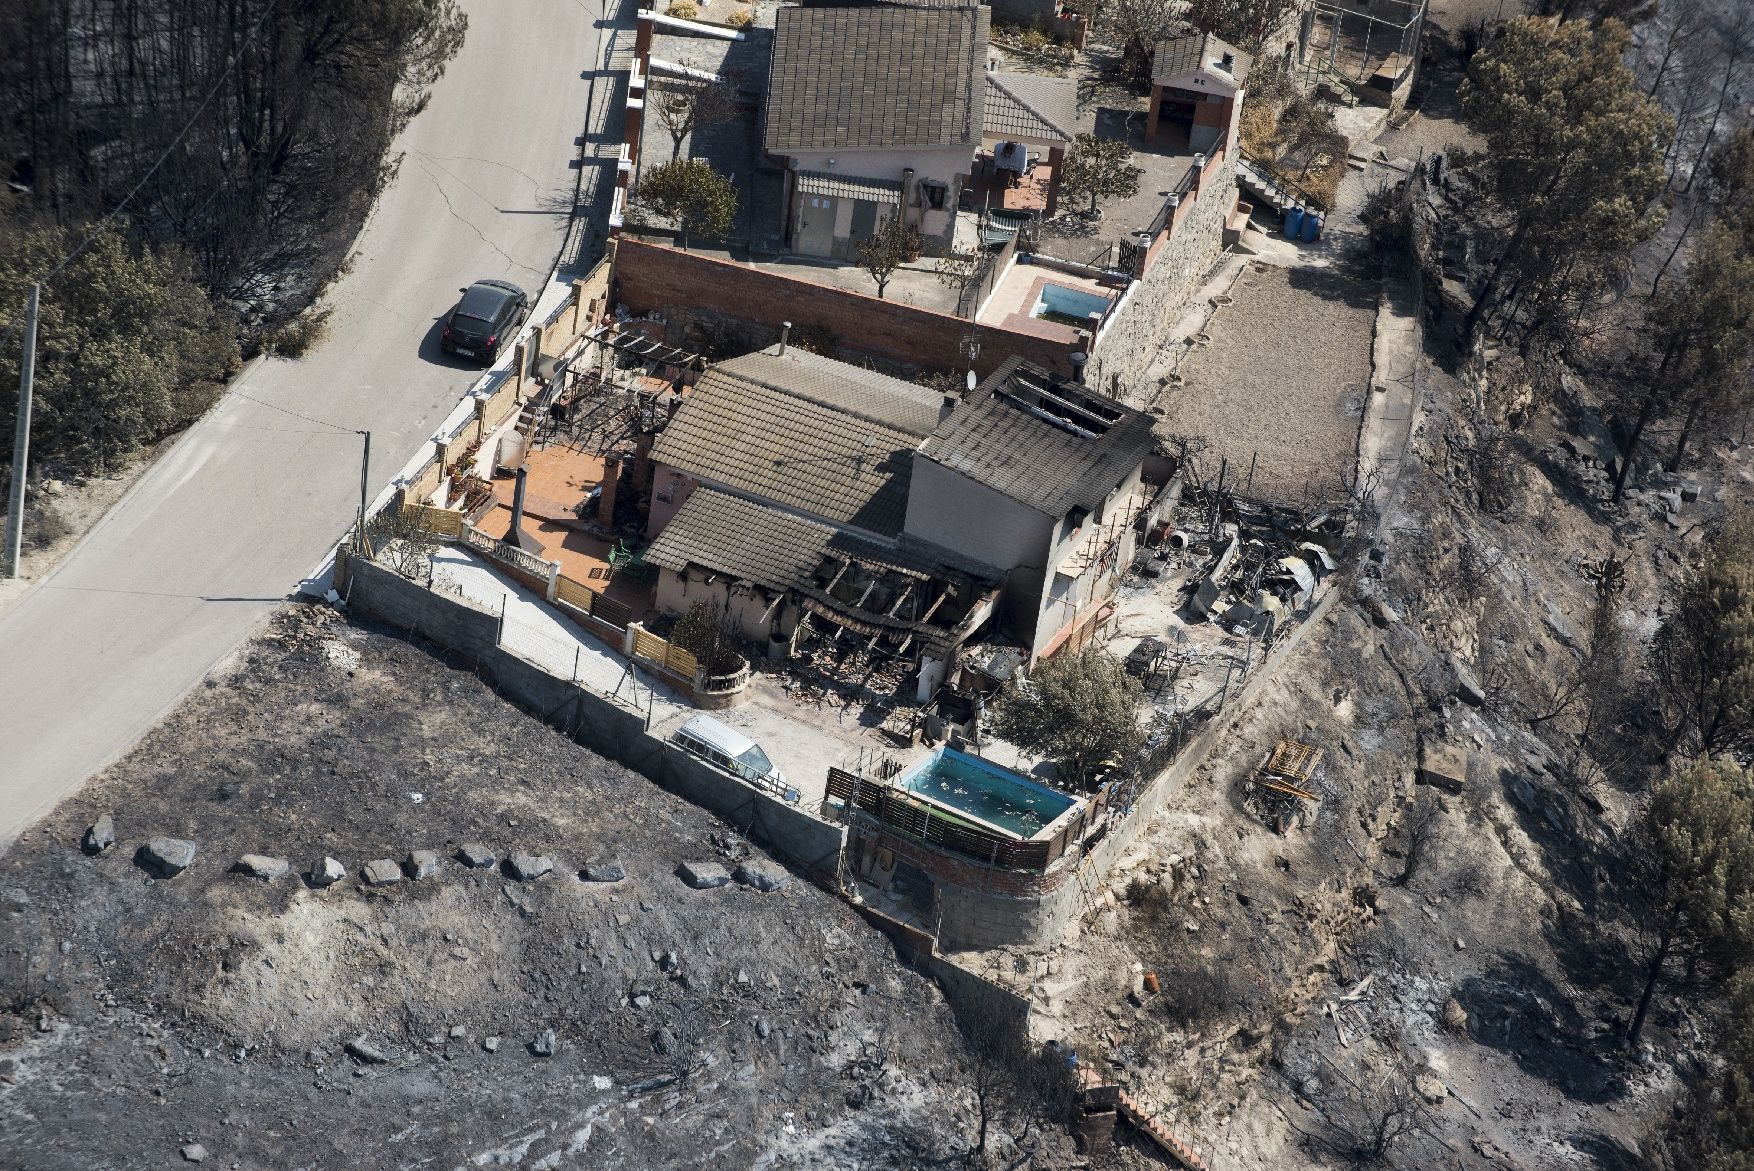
(785, 332)
(907, 190)
(1079, 360)
(611, 486)
(516, 535)
(1228, 62)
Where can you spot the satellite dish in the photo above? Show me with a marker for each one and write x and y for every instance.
(969, 380)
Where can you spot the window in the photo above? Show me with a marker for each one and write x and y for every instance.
(937, 195)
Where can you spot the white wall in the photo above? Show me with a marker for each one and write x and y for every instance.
(941, 164)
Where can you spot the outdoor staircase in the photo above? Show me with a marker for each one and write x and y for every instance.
(1144, 1121)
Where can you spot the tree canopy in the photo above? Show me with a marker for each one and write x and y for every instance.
(690, 193)
(1081, 708)
(1101, 168)
(1575, 155)
(126, 340)
(1705, 650)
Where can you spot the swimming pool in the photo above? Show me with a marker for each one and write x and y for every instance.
(986, 793)
(1069, 306)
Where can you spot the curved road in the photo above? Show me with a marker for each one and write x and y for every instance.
(214, 537)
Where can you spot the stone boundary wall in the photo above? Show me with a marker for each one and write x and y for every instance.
(605, 726)
(1130, 341)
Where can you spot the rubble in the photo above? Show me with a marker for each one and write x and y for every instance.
(762, 875)
(1444, 766)
(545, 1044)
(422, 864)
(365, 1051)
(610, 870)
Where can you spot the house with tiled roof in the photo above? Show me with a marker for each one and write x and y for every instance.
(808, 498)
(1197, 83)
(874, 111)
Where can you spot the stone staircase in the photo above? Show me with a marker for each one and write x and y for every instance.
(1129, 1108)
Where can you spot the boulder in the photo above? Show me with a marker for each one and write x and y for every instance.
(194, 1153)
(703, 875)
(1468, 688)
(327, 872)
(546, 1044)
(1444, 766)
(381, 872)
(762, 875)
(1429, 1088)
(100, 836)
(476, 856)
(422, 864)
(608, 871)
(167, 857)
(1381, 613)
(1455, 1017)
(363, 1050)
(263, 867)
(529, 867)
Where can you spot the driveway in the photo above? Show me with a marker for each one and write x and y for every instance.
(221, 530)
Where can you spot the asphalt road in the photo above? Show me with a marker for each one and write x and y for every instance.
(222, 528)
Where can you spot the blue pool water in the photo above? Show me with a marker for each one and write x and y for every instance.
(1001, 798)
(1069, 302)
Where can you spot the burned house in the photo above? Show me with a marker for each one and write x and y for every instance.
(813, 500)
(779, 495)
(1042, 479)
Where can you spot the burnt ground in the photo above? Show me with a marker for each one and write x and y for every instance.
(695, 1028)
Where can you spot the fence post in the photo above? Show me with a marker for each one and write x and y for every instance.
(627, 638)
(553, 580)
(576, 652)
(499, 634)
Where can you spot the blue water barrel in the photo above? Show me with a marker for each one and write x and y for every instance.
(1312, 226)
(1293, 221)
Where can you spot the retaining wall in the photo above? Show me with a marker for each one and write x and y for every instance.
(1176, 268)
(604, 725)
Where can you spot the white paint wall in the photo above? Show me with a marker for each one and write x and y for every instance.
(941, 164)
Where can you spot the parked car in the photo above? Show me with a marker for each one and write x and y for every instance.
(730, 750)
(485, 319)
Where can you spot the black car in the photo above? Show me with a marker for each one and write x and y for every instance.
(485, 319)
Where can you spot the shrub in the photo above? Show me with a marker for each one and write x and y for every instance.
(682, 10)
(296, 337)
(742, 18)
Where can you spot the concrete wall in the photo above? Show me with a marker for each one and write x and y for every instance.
(946, 165)
(1131, 338)
(749, 610)
(695, 292)
(601, 724)
(951, 510)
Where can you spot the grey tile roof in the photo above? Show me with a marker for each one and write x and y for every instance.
(1045, 443)
(876, 76)
(1026, 105)
(759, 543)
(1191, 52)
(849, 187)
(823, 437)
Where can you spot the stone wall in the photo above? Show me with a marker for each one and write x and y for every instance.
(601, 724)
(1130, 341)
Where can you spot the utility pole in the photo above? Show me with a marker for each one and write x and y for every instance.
(365, 467)
(21, 438)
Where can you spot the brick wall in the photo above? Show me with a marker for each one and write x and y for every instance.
(692, 291)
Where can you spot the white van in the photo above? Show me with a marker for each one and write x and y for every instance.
(725, 747)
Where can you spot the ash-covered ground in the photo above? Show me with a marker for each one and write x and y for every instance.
(724, 1027)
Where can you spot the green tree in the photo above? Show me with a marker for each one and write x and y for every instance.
(1101, 168)
(1081, 708)
(691, 194)
(893, 244)
(129, 347)
(1574, 152)
(1699, 831)
(1704, 653)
